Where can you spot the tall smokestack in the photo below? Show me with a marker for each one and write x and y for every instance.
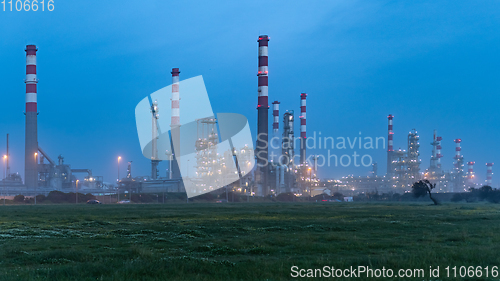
(276, 138)
(390, 144)
(262, 149)
(489, 173)
(175, 122)
(303, 136)
(31, 141)
(470, 172)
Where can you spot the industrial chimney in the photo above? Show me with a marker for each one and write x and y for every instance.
(175, 123)
(262, 149)
(31, 135)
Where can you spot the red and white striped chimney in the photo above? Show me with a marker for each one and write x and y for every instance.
(489, 173)
(303, 136)
(175, 119)
(31, 140)
(263, 103)
(175, 123)
(470, 172)
(262, 147)
(31, 81)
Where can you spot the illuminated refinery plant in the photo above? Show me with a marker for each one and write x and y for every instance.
(276, 171)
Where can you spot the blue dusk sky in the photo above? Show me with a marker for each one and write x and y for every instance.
(432, 64)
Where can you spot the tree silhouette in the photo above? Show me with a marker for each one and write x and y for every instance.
(422, 188)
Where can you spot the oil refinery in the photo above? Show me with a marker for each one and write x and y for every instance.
(277, 168)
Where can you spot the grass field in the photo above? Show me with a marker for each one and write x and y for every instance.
(241, 241)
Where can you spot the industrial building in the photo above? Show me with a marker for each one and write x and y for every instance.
(42, 173)
(276, 171)
(403, 169)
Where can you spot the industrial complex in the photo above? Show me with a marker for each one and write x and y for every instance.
(277, 168)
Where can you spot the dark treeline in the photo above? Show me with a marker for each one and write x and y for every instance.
(55, 197)
(485, 193)
(420, 192)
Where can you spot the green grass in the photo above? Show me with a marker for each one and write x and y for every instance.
(240, 241)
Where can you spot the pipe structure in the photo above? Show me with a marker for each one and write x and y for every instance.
(175, 122)
(46, 156)
(303, 136)
(489, 173)
(390, 146)
(278, 174)
(282, 177)
(262, 147)
(31, 135)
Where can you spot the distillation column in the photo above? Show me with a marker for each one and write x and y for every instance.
(154, 143)
(459, 163)
(390, 149)
(276, 143)
(303, 137)
(470, 172)
(489, 173)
